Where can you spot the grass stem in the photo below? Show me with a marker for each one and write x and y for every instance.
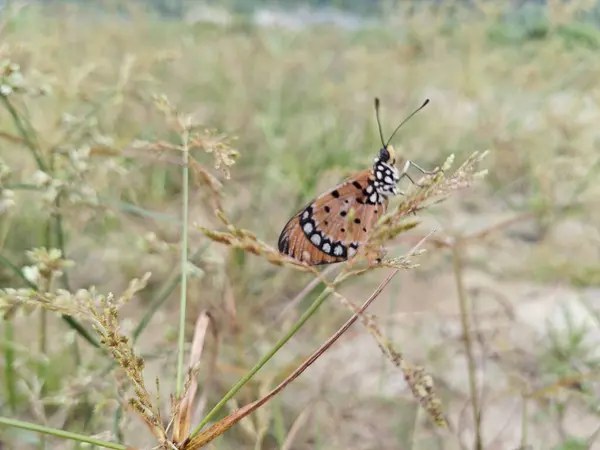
(466, 328)
(524, 422)
(42, 345)
(184, 260)
(9, 368)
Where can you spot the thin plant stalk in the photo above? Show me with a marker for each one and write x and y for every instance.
(42, 345)
(303, 319)
(524, 422)
(60, 433)
(466, 327)
(60, 240)
(9, 369)
(184, 259)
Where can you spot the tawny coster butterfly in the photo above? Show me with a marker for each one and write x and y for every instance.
(331, 228)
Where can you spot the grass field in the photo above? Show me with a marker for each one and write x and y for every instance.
(503, 310)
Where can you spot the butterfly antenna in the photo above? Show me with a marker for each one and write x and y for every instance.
(404, 121)
(379, 121)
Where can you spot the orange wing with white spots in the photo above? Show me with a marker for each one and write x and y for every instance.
(332, 227)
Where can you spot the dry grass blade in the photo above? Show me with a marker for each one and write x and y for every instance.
(296, 427)
(210, 371)
(568, 382)
(247, 241)
(203, 176)
(229, 304)
(184, 409)
(224, 424)
(11, 138)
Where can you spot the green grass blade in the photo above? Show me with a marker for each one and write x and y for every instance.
(142, 212)
(25, 134)
(155, 305)
(4, 260)
(184, 262)
(60, 433)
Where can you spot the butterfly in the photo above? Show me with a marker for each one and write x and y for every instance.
(331, 228)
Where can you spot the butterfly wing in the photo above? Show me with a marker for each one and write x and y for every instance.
(331, 228)
(294, 243)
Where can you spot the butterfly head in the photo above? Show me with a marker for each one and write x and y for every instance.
(387, 155)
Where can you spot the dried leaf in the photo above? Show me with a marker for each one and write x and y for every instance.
(183, 415)
(220, 427)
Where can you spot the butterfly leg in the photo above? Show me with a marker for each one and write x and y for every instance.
(406, 175)
(397, 191)
(410, 179)
(375, 256)
(423, 171)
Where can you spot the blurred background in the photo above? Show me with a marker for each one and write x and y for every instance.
(294, 83)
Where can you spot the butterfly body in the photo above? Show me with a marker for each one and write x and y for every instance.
(332, 227)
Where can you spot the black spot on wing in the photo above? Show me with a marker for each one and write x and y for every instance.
(284, 243)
